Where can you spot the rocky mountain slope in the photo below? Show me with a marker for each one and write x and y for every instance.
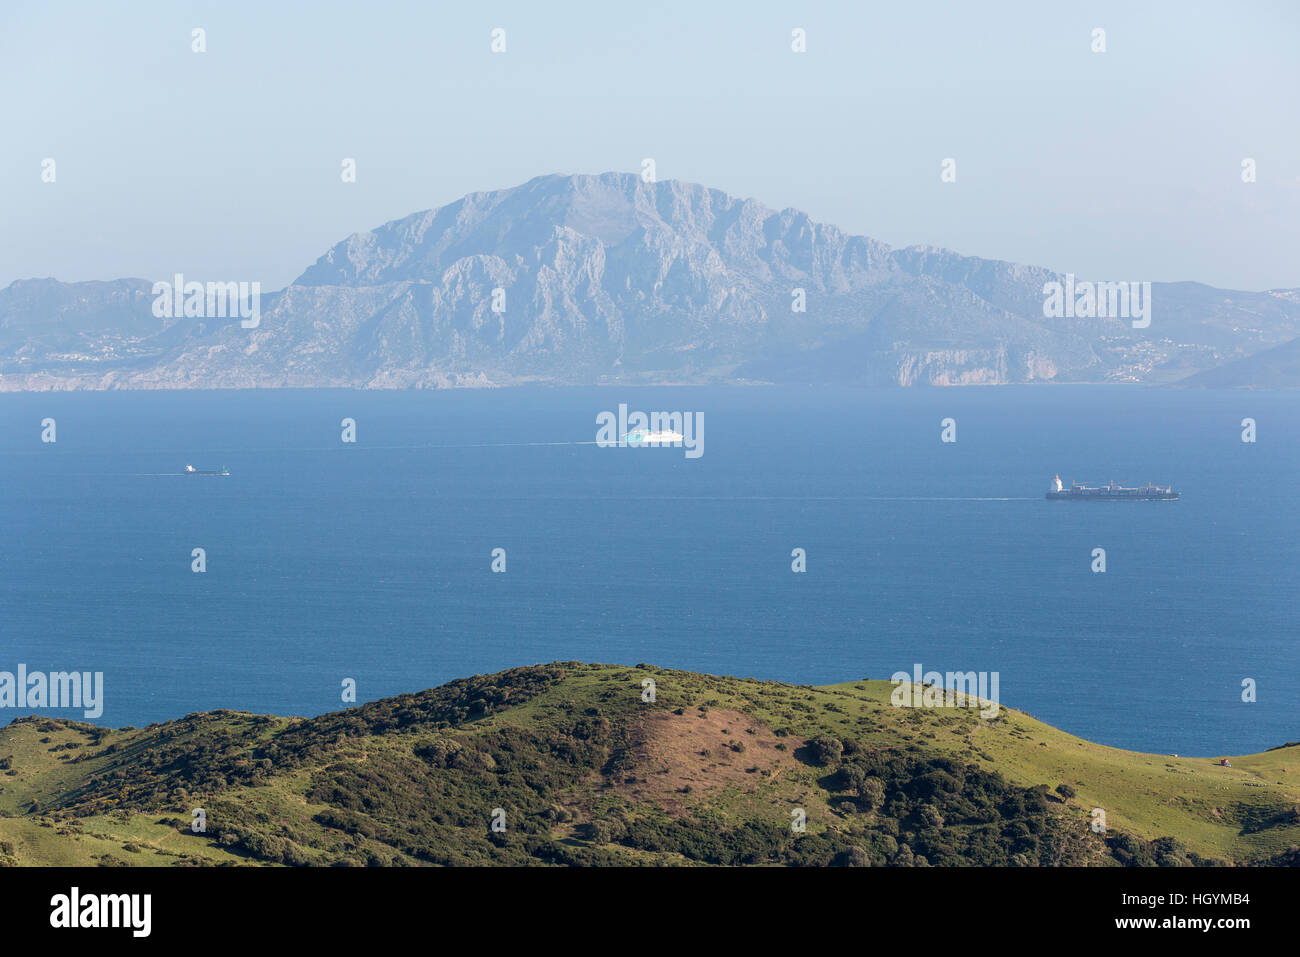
(1275, 368)
(596, 279)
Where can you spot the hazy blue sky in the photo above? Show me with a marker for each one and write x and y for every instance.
(1117, 165)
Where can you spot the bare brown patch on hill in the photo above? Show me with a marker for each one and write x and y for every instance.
(677, 758)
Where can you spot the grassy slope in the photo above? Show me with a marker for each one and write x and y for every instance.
(1204, 805)
(123, 797)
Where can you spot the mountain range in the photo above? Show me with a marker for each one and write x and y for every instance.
(602, 279)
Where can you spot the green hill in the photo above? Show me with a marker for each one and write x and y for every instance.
(580, 770)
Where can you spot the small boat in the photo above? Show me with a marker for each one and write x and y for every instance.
(191, 470)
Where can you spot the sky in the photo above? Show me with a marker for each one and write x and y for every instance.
(225, 164)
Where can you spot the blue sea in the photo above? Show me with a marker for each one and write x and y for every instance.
(372, 560)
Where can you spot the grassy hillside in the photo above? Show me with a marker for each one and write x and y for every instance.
(582, 771)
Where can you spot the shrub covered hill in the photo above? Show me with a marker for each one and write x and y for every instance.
(581, 770)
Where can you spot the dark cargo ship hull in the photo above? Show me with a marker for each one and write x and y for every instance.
(1128, 495)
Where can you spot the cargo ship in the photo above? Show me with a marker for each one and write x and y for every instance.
(191, 470)
(1111, 492)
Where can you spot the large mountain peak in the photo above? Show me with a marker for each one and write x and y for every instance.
(605, 277)
(616, 209)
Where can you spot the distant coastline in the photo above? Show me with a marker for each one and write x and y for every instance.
(577, 280)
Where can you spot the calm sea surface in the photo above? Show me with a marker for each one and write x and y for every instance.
(371, 561)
